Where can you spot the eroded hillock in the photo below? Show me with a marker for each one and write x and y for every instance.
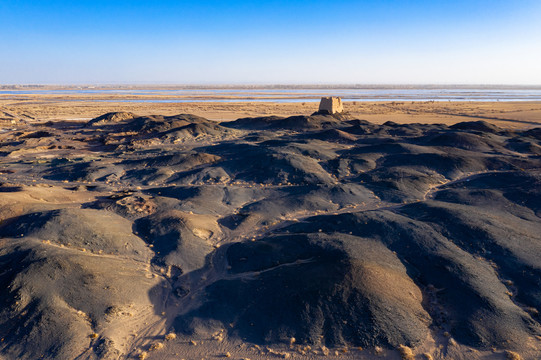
(307, 234)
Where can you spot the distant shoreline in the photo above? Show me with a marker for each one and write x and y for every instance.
(269, 86)
(270, 94)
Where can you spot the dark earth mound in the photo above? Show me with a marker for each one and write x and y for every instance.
(111, 118)
(332, 231)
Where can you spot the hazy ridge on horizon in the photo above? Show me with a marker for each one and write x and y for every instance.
(267, 86)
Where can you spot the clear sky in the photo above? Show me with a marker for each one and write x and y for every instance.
(279, 42)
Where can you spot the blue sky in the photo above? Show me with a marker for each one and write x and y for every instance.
(245, 42)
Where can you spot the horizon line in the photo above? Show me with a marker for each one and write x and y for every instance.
(270, 85)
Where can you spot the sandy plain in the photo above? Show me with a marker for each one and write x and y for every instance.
(44, 107)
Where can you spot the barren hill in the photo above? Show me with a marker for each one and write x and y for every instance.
(305, 236)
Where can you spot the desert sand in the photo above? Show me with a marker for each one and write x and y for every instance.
(259, 231)
(43, 107)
